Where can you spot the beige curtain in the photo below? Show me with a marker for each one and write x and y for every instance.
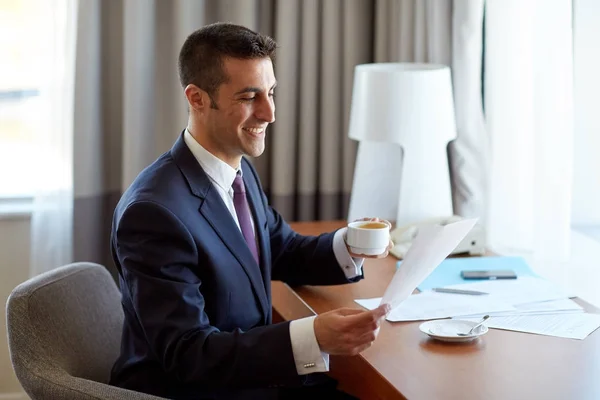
(129, 107)
(414, 31)
(310, 159)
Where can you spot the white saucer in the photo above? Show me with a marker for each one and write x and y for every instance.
(367, 251)
(447, 330)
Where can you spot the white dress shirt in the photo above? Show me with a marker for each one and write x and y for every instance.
(307, 355)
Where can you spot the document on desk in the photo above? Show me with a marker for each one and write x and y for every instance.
(571, 326)
(525, 289)
(562, 306)
(432, 305)
(431, 246)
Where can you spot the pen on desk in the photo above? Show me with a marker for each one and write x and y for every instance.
(458, 291)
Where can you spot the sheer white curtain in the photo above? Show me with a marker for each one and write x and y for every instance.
(586, 177)
(52, 219)
(529, 112)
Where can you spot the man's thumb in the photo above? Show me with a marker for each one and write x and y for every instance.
(383, 309)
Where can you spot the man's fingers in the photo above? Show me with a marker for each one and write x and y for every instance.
(362, 348)
(369, 317)
(385, 221)
(382, 310)
(350, 311)
(361, 329)
(367, 337)
(382, 255)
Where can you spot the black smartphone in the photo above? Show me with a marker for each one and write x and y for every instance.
(491, 274)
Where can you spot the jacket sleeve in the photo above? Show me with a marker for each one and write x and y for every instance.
(158, 257)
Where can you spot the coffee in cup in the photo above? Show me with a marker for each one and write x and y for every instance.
(368, 238)
(374, 225)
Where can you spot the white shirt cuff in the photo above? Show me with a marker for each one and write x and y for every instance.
(351, 266)
(307, 355)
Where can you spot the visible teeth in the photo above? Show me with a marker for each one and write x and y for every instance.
(254, 130)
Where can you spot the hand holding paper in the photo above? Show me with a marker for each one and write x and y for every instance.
(431, 246)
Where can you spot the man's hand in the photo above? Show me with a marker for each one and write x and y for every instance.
(382, 255)
(348, 331)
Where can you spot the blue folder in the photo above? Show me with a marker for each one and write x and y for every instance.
(448, 272)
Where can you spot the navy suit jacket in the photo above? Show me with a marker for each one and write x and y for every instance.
(197, 305)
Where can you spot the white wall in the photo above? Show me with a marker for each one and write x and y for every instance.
(586, 180)
(14, 269)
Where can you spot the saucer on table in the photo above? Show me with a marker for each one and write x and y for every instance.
(447, 330)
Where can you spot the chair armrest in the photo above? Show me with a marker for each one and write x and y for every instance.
(66, 387)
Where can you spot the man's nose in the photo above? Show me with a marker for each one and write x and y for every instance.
(266, 110)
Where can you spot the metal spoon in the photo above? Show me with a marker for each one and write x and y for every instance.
(485, 318)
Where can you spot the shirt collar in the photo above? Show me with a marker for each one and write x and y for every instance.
(217, 170)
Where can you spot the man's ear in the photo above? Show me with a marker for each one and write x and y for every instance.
(197, 98)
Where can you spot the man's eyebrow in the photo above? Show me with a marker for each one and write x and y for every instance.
(252, 89)
(249, 90)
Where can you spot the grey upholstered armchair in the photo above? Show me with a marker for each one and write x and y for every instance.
(64, 330)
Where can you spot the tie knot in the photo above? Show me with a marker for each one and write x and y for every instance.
(238, 184)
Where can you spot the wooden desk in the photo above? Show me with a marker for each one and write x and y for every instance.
(405, 363)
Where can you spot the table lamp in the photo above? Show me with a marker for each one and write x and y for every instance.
(402, 115)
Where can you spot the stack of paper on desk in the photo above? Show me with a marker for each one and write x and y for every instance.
(571, 326)
(562, 306)
(432, 305)
(526, 289)
(527, 304)
(526, 295)
(541, 307)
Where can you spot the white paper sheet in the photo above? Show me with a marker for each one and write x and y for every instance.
(561, 306)
(431, 246)
(571, 326)
(525, 289)
(432, 305)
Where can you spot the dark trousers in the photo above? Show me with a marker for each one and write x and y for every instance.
(325, 388)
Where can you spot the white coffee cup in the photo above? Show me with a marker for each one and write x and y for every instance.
(369, 238)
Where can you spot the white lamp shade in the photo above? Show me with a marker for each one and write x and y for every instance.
(403, 116)
(396, 102)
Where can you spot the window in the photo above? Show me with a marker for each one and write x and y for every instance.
(21, 27)
(586, 171)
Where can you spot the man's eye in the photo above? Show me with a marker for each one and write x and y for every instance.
(272, 94)
(247, 98)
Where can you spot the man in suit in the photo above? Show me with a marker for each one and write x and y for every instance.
(197, 245)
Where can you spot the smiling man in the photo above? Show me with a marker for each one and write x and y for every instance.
(197, 245)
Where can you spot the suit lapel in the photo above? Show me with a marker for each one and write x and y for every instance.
(260, 220)
(218, 216)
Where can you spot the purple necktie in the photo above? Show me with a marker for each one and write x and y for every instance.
(243, 213)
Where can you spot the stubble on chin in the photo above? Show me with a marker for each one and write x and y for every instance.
(256, 149)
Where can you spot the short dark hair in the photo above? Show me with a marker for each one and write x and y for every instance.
(201, 56)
